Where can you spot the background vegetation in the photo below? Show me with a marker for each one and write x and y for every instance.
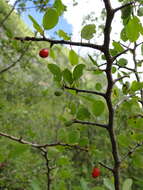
(56, 113)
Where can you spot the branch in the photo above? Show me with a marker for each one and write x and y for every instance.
(123, 6)
(39, 146)
(45, 156)
(119, 54)
(107, 29)
(132, 150)
(107, 167)
(94, 46)
(85, 91)
(6, 17)
(120, 78)
(15, 62)
(64, 144)
(90, 123)
(122, 101)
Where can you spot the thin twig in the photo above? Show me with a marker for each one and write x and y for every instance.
(84, 91)
(132, 150)
(90, 123)
(107, 167)
(15, 62)
(120, 78)
(123, 6)
(6, 17)
(45, 156)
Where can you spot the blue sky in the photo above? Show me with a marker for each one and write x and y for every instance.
(63, 24)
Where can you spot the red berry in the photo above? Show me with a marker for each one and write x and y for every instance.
(44, 53)
(95, 172)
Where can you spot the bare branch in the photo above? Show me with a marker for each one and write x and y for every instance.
(132, 150)
(90, 123)
(120, 78)
(6, 17)
(123, 6)
(45, 156)
(121, 53)
(81, 44)
(107, 167)
(15, 62)
(85, 91)
(39, 146)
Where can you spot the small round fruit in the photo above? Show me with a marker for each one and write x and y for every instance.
(44, 53)
(95, 172)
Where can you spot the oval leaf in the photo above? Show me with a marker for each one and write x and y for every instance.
(108, 183)
(127, 184)
(73, 57)
(36, 25)
(50, 18)
(98, 107)
(73, 136)
(78, 71)
(56, 71)
(67, 75)
(133, 29)
(88, 31)
(83, 113)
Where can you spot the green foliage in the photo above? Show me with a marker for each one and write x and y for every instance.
(63, 35)
(127, 184)
(73, 57)
(78, 71)
(133, 29)
(88, 31)
(50, 18)
(35, 107)
(36, 25)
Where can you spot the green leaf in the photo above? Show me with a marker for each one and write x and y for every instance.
(127, 184)
(88, 31)
(67, 75)
(140, 11)
(63, 35)
(35, 185)
(50, 18)
(133, 29)
(18, 150)
(98, 107)
(92, 60)
(62, 135)
(98, 86)
(60, 7)
(122, 62)
(73, 57)
(36, 25)
(117, 46)
(123, 35)
(56, 71)
(84, 141)
(83, 113)
(73, 136)
(114, 69)
(97, 72)
(63, 160)
(126, 12)
(136, 86)
(108, 183)
(84, 184)
(78, 71)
